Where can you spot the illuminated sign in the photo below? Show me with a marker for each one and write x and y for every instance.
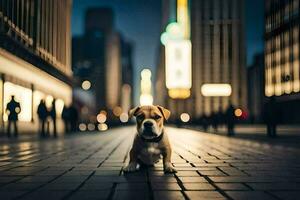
(183, 16)
(216, 90)
(178, 66)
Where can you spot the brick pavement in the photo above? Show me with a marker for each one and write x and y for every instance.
(90, 167)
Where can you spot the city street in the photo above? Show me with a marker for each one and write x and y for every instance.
(89, 166)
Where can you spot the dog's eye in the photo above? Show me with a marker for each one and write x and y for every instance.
(157, 117)
(140, 117)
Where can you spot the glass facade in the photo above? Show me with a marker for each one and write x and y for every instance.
(282, 47)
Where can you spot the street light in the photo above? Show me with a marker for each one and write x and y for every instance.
(146, 97)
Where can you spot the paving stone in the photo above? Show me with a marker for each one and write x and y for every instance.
(90, 195)
(187, 173)
(212, 173)
(165, 186)
(90, 166)
(132, 186)
(202, 195)
(287, 195)
(232, 186)
(131, 194)
(249, 195)
(198, 186)
(168, 195)
(193, 179)
(275, 186)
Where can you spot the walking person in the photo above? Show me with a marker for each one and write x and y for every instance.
(52, 114)
(271, 116)
(230, 120)
(214, 121)
(65, 115)
(205, 122)
(13, 109)
(42, 114)
(73, 118)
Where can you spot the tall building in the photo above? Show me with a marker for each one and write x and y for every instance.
(282, 73)
(217, 29)
(218, 57)
(98, 57)
(256, 95)
(127, 75)
(34, 56)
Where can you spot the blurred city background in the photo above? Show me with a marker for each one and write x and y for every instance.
(68, 66)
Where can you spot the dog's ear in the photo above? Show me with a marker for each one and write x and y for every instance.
(133, 111)
(165, 112)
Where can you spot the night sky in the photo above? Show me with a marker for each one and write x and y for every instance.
(139, 22)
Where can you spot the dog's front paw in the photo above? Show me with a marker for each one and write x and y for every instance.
(168, 168)
(131, 167)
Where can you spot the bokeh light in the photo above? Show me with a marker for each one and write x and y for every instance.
(238, 112)
(102, 127)
(86, 85)
(101, 118)
(82, 127)
(91, 127)
(185, 117)
(124, 117)
(117, 111)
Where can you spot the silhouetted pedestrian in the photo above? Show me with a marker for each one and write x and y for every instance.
(65, 115)
(271, 116)
(220, 116)
(13, 109)
(214, 121)
(73, 118)
(230, 120)
(205, 122)
(53, 117)
(42, 114)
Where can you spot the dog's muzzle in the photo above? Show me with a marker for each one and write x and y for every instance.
(149, 129)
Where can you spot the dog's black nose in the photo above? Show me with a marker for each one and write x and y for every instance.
(148, 124)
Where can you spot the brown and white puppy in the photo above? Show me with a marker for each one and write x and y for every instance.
(150, 142)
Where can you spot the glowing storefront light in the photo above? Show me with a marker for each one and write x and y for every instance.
(59, 105)
(216, 90)
(146, 97)
(49, 99)
(23, 96)
(178, 68)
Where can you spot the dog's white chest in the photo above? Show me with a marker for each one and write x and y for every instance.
(150, 154)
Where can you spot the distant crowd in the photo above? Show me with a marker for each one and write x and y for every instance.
(47, 118)
(271, 117)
